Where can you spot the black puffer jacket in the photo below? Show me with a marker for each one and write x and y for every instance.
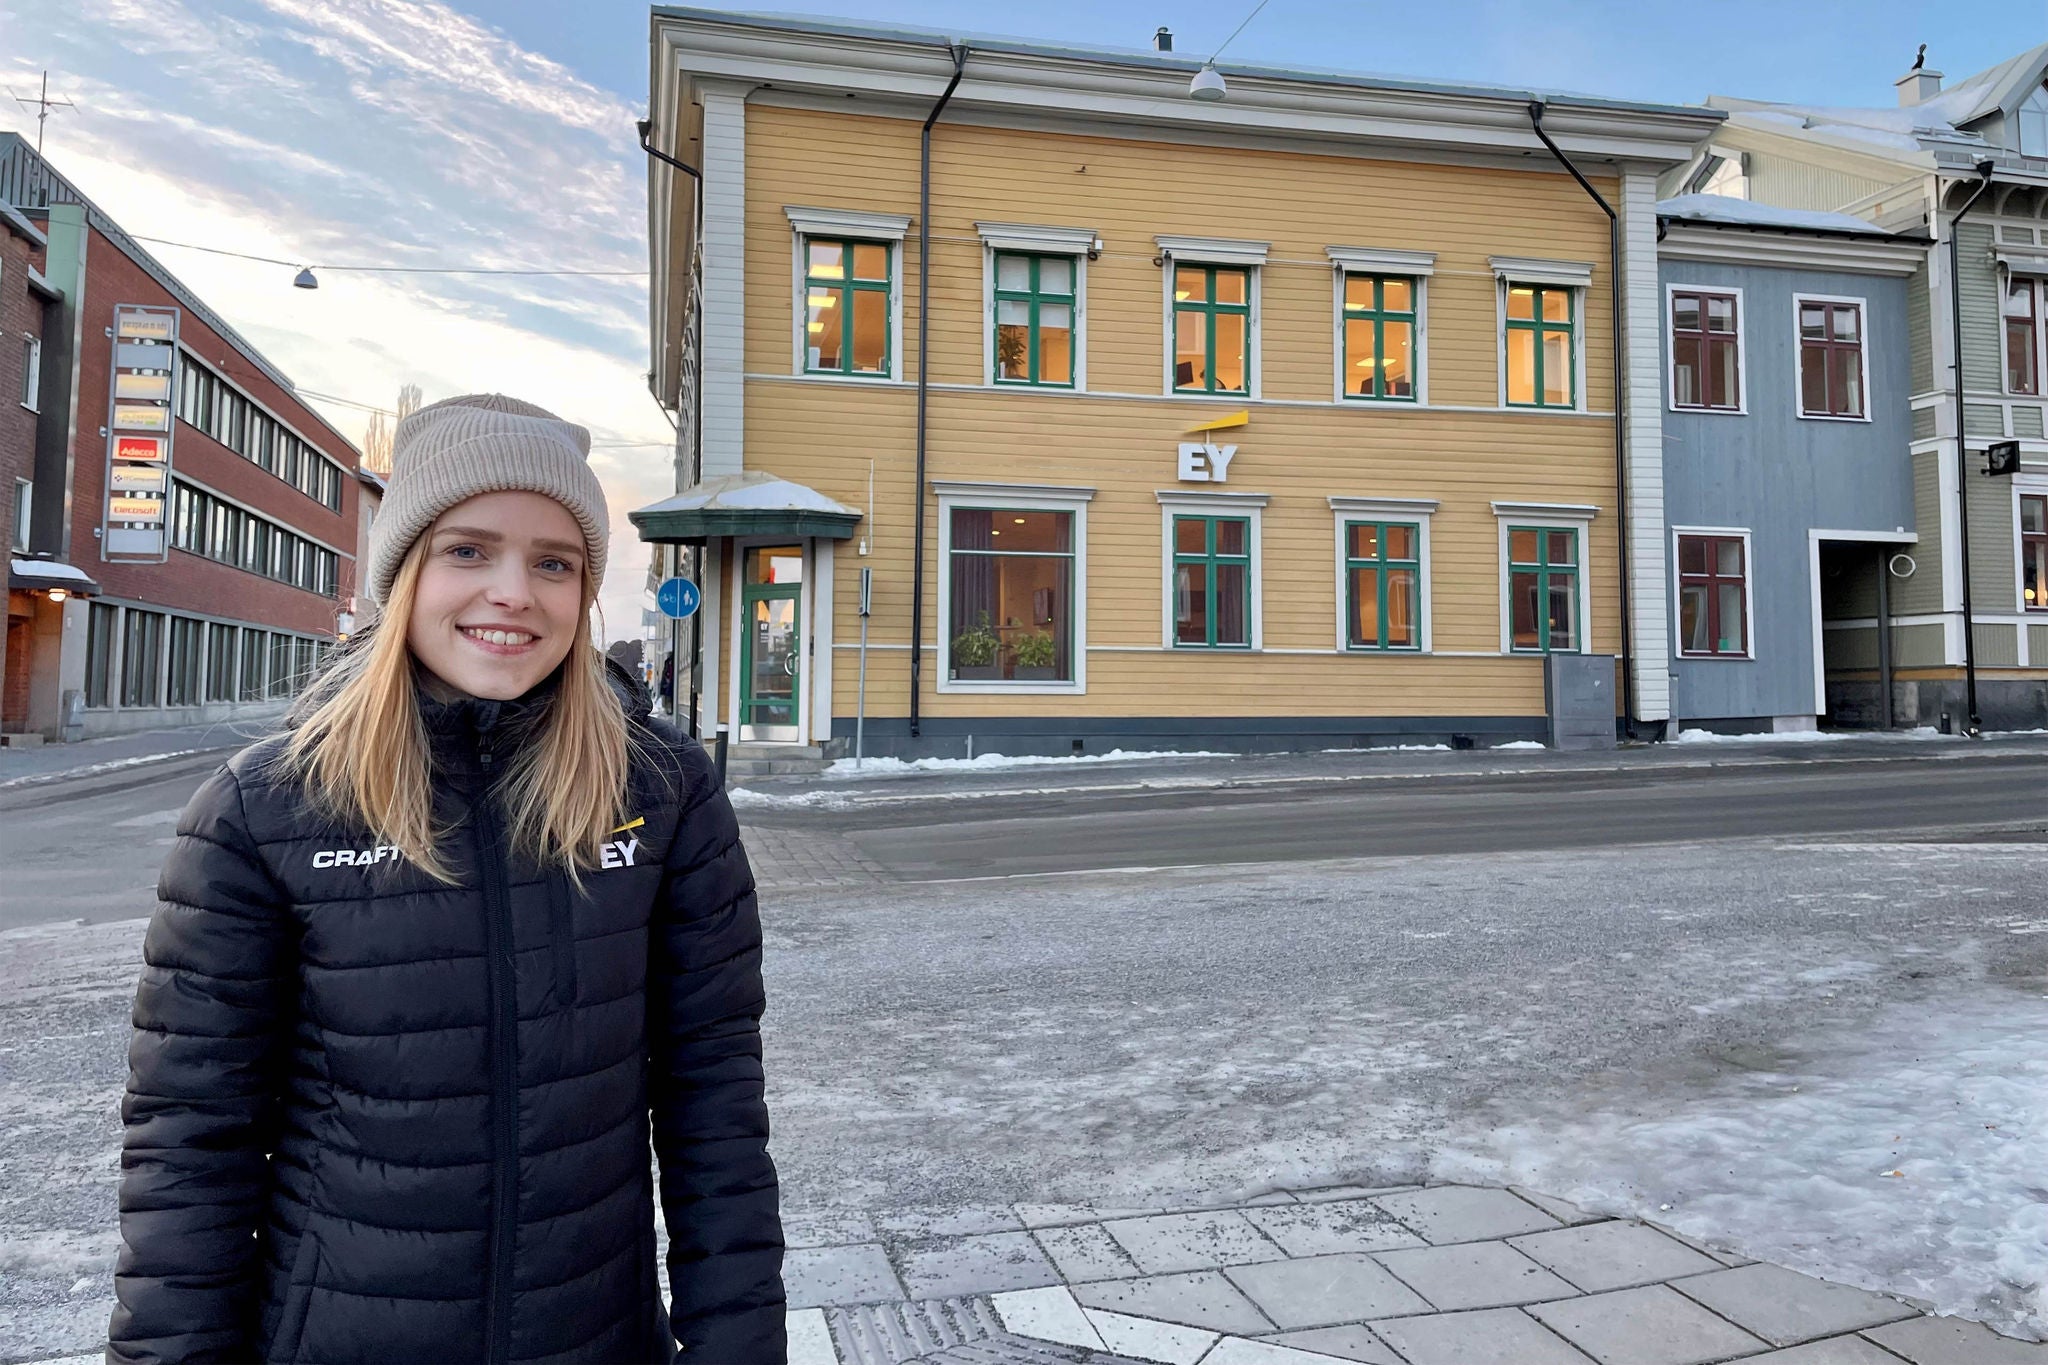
(373, 1118)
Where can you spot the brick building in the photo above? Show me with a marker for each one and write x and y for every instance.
(24, 297)
(205, 580)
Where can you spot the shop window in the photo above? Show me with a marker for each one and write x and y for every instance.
(1383, 585)
(101, 623)
(847, 288)
(1542, 345)
(142, 639)
(220, 662)
(1380, 313)
(283, 682)
(1713, 592)
(2034, 551)
(2022, 335)
(1211, 587)
(1011, 580)
(182, 677)
(302, 662)
(1830, 358)
(1034, 322)
(255, 652)
(1212, 323)
(1705, 351)
(1543, 589)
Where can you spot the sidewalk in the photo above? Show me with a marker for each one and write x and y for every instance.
(62, 762)
(1443, 1275)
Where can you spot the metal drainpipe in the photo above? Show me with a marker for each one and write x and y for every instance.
(1974, 726)
(1628, 672)
(958, 51)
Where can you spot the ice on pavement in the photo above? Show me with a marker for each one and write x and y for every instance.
(1911, 1156)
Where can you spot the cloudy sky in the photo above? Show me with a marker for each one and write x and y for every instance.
(406, 132)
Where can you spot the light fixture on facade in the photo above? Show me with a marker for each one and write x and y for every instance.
(1207, 85)
(305, 279)
(58, 594)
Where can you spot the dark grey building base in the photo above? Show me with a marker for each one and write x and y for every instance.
(2002, 704)
(1043, 736)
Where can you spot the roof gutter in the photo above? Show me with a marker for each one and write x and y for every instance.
(1974, 727)
(958, 52)
(1628, 672)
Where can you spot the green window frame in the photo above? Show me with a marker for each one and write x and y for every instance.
(848, 286)
(1537, 572)
(1373, 313)
(1210, 588)
(1026, 311)
(1538, 316)
(1198, 300)
(1384, 558)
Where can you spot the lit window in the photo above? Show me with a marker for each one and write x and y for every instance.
(1212, 319)
(1541, 343)
(1383, 584)
(846, 307)
(1011, 590)
(1034, 322)
(1379, 337)
(2034, 552)
(1543, 589)
(2022, 336)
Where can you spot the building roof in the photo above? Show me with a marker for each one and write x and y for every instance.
(29, 181)
(22, 227)
(752, 502)
(1719, 209)
(1168, 61)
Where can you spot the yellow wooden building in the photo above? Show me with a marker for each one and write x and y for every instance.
(1284, 420)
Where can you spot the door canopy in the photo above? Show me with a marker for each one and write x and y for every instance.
(747, 504)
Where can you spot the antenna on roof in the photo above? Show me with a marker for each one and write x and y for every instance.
(42, 104)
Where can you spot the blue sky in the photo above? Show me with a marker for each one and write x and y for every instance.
(415, 132)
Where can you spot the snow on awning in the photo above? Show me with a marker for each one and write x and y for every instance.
(753, 503)
(33, 575)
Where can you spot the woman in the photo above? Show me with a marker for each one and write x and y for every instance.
(429, 968)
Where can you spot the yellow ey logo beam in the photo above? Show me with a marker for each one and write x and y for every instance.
(1240, 418)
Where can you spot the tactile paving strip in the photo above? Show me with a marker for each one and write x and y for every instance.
(945, 1332)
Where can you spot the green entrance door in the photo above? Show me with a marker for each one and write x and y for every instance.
(771, 666)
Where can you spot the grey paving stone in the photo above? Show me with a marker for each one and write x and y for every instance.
(1492, 1336)
(1086, 1252)
(1851, 1350)
(1562, 1210)
(827, 1228)
(1602, 1256)
(951, 1267)
(1322, 1291)
(1474, 1275)
(1462, 1213)
(1655, 1325)
(822, 1277)
(960, 1222)
(1952, 1341)
(1350, 1192)
(1785, 1308)
(1192, 1241)
(1323, 1229)
(1345, 1343)
(1203, 1299)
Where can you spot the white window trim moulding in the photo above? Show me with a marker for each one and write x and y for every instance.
(810, 222)
(1367, 260)
(1213, 250)
(1556, 516)
(1530, 270)
(1038, 241)
(1416, 510)
(1251, 506)
(1022, 497)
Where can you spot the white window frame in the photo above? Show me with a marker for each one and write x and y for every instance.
(884, 229)
(1863, 347)
(2033, 486)
(1179, 502)
(24, 506)
(1213, 251)
(1546, 516)
(1026, 240)
(1576, 276)
(1678, 649)
(32, 371)
(1671, 403)
(1363, 260)
(2035, 284)
(1021, 497)
(1414, 511)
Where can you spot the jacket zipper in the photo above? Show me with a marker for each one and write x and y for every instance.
(504, 1067)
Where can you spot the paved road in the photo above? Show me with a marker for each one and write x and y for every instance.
(1081, 831)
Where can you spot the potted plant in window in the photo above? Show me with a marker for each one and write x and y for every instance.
(1036, 656)
(974, 653)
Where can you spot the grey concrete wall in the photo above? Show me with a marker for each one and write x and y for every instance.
(1780, 476)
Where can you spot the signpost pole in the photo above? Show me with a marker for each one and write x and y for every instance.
(860, 709)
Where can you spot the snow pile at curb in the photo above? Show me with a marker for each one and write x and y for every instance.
(1395, 749)
(1807, 736)
(983, 763)
(93, 769)
(1521, 744)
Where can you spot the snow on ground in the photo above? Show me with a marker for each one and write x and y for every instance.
(1804, 736)
(1522, 744)
(90, 769)
(1907, 1156)
(884, 767)
(1394, 749)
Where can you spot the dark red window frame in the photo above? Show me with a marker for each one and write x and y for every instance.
(2034, 551)
(1835, 359)
(1707, 344)
(1713, 581)
(2022, 336)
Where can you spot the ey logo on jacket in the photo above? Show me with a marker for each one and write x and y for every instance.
(621, 852)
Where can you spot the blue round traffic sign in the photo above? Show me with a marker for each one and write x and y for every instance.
(678, 597)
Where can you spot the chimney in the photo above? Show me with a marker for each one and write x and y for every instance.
(1918, 86)
(1162, 41)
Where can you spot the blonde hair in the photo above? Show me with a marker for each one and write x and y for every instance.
(362, 748)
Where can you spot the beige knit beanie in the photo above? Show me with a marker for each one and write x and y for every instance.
(450, 451)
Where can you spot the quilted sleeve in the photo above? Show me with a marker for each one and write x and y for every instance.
(710, 1115)
(203, 1091)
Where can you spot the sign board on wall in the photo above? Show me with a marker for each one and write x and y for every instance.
(1205, 462)
(140, 433)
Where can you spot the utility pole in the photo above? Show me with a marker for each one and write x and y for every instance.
(42, 104)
